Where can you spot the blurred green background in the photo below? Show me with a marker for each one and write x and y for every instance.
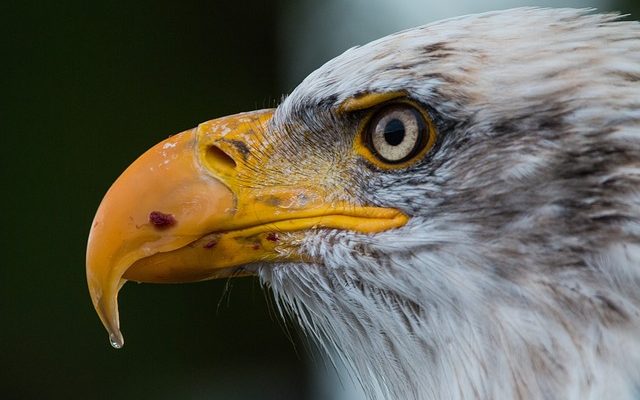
(86, 88)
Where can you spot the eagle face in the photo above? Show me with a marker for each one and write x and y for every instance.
(450, 211)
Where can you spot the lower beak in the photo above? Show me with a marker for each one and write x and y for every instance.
(194, 207)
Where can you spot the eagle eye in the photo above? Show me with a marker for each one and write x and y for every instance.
(397, 134)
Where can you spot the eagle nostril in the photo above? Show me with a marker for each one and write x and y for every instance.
(219, 160)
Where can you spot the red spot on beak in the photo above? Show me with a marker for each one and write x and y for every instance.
(210, 244)
(161, 220)
(273, 237)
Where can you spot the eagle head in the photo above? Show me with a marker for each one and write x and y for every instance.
(451, 211)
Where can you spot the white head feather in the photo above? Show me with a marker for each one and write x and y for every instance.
(518, 275)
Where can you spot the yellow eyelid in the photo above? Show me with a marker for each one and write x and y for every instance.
(362, 149)
(368, 100)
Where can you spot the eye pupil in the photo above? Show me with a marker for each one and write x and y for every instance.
(394, 132)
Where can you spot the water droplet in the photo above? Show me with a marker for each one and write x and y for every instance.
(116, 342)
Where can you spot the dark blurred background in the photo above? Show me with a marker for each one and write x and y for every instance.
(86, 88)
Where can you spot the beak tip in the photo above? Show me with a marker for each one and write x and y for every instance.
(107, 309)
(116, 339)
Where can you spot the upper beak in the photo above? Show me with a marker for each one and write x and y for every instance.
(180, 213)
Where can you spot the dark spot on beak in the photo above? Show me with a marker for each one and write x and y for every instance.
(255, 246)
(210, 244)
(161, 220)
(272, 201)
(272, 237)
(241, 147)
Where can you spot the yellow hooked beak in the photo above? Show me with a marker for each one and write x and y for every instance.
(196, 207)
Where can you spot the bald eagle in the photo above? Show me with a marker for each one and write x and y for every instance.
(452, 211)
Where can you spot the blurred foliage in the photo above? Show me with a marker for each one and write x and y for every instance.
(87, 87)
